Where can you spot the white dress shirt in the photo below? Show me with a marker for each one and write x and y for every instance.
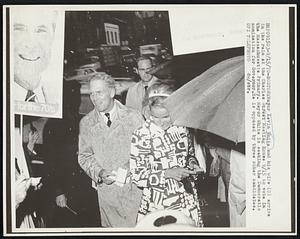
(112, 114)
(20, 93)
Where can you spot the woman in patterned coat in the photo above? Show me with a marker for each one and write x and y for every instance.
(163, 162)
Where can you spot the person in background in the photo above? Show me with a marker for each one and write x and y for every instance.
(137, 92)
(237, 189)
(104, 150)
(235, 185)
(228, 165)
(27, 187)
(68, 184)
(163, 163)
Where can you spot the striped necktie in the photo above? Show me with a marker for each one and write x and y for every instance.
(108, 119)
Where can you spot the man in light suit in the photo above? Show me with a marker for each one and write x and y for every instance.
(136, 94)
(104, 147)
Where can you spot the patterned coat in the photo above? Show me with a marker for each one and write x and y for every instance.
(153, 151)
(103, 147)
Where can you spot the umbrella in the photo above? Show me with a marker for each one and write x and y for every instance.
(213, 101)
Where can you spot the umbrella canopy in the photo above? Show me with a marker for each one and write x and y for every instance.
(213, 101)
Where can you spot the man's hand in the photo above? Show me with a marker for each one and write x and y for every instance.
(61, 200)
(36, 183)
(178, 173)
(107, 177)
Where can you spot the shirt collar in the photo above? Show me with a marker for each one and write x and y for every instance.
(20, 93)
(149, 83)
(112, 113)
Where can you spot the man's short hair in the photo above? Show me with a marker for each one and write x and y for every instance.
(143, 58)
(102, 76)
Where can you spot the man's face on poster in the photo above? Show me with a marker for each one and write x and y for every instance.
(33, 34)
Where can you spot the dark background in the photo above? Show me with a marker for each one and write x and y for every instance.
(184, 68)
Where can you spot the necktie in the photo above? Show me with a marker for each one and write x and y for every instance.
(17, 166)
(146, 87)
(30, 97)
(108, 119)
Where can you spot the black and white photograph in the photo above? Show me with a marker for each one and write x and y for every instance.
(124, 121)
(37, 46)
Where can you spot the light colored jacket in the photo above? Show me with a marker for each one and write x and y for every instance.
(237, 190)
(103, 147)
(136, 95)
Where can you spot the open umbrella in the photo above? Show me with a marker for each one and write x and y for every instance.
(213, 101)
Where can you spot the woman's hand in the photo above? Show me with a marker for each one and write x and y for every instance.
(178, 173)
(196, 168)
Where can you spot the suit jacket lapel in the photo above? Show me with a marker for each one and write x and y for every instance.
(98, 123)
(120, 114)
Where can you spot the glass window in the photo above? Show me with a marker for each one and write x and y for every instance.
(112, 38)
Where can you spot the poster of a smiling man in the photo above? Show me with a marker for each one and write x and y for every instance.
(37, 62)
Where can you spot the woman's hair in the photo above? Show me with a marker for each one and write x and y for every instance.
(158, 92)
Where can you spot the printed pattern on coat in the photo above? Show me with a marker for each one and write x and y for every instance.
(153, 151)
